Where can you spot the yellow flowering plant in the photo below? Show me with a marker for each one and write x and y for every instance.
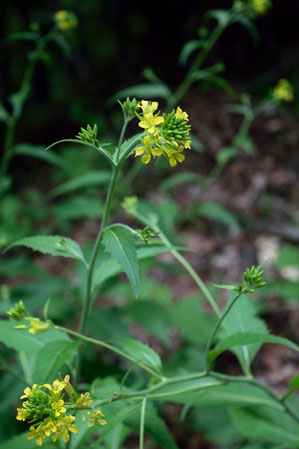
(46, 408)
(56, 408)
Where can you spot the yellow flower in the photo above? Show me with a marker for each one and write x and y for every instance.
(36, 433)
(67, 385)
(22, 414)
(175, 156)
(148, 106)
(283, 91)
(180, 114)
(64, 426)
(84, 400)
(96, 417)
(49, 428)
(150, 121)
(65, 20)
(38, 326)
(58, 407)
(28, 391)
(260, 6)
(148, 149)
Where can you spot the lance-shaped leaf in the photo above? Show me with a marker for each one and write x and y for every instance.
(54, 245)
(140, 352)
(247, 338)
(119, 242)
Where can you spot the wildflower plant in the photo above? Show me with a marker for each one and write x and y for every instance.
(51, 407)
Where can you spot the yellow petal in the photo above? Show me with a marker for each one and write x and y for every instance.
(146, 158)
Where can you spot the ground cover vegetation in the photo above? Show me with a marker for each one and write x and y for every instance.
(149, 260)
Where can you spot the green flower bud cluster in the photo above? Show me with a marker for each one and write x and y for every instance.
(252, 280)
(145, 235)
(38, 406)
(130, 108)
(175, 128)
(89, 135)
(129, 204)
(19, 312)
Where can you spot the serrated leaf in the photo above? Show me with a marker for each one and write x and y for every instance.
(245, 338)
(93, 178)
(217, 212)
(39, 152)
(140, 352)
(108, 268)
(119, 242)
(53, 245)
(51, 357)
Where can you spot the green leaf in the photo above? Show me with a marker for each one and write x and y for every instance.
(180, 178)
(119, 242)
(253, 426)
(26, 149)
(22, 340)
(144, 91)
(225, 155)
(217, 212)
(93, 178)
(140, 352)
(108, 267)
(243, 318)
(245, 338)
(51, 357)
(78, 207)
(187, 50)
(294, 383)
(53, 245)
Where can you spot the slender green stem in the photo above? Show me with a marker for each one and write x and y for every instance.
(91, 266)
(183, 262)
(110, 348)
(217, 326)
(8, 145)
(121, 138)
(197, 63)
(142, 419)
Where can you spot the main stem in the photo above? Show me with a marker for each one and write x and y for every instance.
(197, 63)
(90, 270)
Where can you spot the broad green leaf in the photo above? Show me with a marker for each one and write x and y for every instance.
(22, 340)
(93, 178)
(108, 268)
(245, 338)
(78, 207)
(51, 357)
(26, 149)
(54, 245)
(140, 352)
(294, 383)
(187, 50)
(180, 178)
(243, 318)
(144, 91)
(253, 426)
(217, 212)
(119, 242)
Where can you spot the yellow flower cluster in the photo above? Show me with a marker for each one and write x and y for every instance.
(260, 7)
(65, 20)
(45, 405)
(283, 91)
(167, 135)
